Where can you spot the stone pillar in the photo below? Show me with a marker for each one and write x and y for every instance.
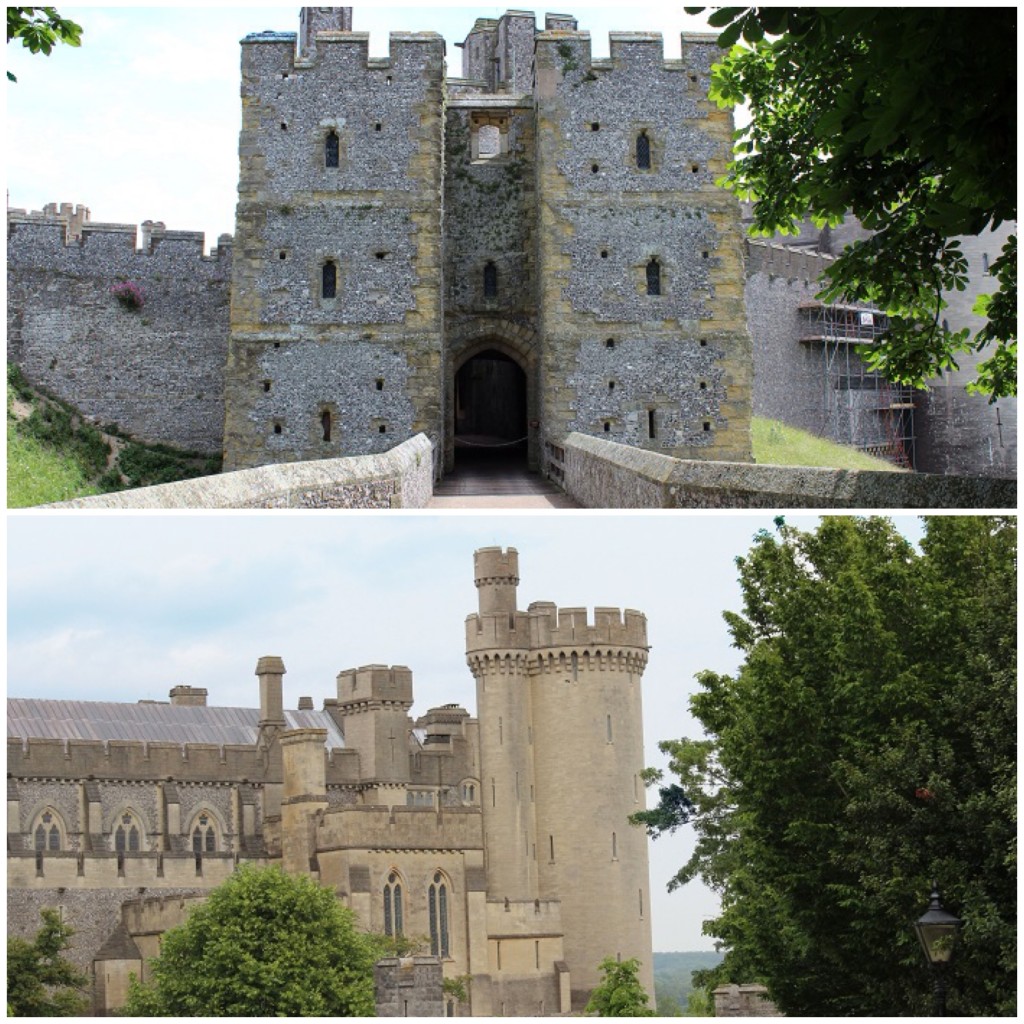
(304, 793)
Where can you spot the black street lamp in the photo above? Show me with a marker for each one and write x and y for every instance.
(937, 930)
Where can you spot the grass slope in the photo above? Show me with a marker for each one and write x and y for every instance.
(778, 444)
(53, 454)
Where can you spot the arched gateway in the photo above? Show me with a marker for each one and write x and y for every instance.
(491, 406)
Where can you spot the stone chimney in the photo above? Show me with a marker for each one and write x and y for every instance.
(188, 696)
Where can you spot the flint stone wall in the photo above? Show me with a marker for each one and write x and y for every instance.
(602, 474)
(401, 478)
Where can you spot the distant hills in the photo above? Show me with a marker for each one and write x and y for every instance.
(673, 980)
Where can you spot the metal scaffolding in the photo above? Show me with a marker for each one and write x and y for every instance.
(861, 408)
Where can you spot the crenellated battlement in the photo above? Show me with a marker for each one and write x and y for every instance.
(400, 828)
(189, 762)
(36, 237)
(545, 625)
(335, 51)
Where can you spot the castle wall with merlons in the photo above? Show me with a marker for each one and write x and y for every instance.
(157, 372)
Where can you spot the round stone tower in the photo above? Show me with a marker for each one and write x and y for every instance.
(561, 751)
(497, 649)
(587, 756)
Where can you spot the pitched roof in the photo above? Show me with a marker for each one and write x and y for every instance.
(29, 718)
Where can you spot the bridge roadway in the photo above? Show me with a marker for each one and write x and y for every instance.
(489, 479)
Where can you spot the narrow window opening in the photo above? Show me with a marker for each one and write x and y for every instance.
(40, 838)
(380, 383)
(494, 794)
(332, 149)
(615, 847)
(707, 426)
(607, 427)
(490, 280)
(377, 127)
(611, 385)
(277, 344)
(266, 385)
(388, 80)
(382, 429)
(695, 168)
(595, 126)
(325, 423)
(704, 255)
(609, 727)
(380, 255)
(594, 168)
(39, 862)
(604, 254)
(703, 385)
(609, 343)
(551, 847)
(653, 277)
(640, 894)
(284, 127)
(277, 428)
(643, 151)
(536, 953)
(703, 342)
(282, 255)
(984, 262)
(329, 280)
(575, 663)
(650, 423)
(693, 78)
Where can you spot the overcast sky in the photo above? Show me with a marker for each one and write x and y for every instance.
(120, 607)
(141, 122)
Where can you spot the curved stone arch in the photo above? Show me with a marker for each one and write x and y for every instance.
(212, 828)
(516, 341)
(137, 821)
(394, 893)
(48, 831)
(439, 912)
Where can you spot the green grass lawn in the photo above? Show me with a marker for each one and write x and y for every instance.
(53, 454)
(777, 444)
(38, 473)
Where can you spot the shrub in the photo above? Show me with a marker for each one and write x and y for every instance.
(129, 294)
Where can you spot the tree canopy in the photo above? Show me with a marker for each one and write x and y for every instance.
(905, 117)
(40, 29)
(264, 944)
(866, 746)
(620, 993)
(40, 982)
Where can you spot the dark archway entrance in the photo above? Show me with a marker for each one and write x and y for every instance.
(490, 410)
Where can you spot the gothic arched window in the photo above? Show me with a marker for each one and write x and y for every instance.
(331, 149)
(48, 832)
(393, 911)
(653, 277)
(437, 912)
(643, 151)
(128, 836)
(329, 280)
(204, 835)
(490, 280)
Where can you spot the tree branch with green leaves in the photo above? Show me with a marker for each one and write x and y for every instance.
(904, 118)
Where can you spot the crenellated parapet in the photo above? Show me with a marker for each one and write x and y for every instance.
(499, 642)
(115, 759)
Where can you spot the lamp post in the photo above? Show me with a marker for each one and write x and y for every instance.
(937, 930)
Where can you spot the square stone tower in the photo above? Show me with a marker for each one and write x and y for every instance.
(335, 345)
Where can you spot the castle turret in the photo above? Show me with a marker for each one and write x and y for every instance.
(587, 719)
(374, 701)
(558, 698)
(497, 649)
(304, 794)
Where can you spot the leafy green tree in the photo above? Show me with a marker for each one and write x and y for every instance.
(40, 982)
(700, 1003)
(866, 746)
(264, 944)
(905, 117)
(620, 993)
(40, 29)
